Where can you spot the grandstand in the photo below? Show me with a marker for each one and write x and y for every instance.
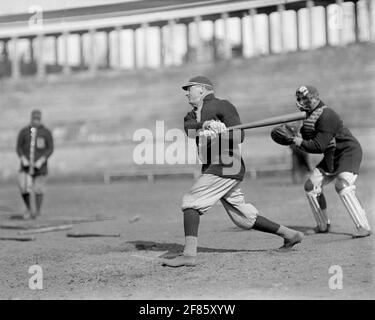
(99, 115)
(94, 117)
(170, 32)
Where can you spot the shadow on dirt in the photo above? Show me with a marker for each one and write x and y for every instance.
(235, 229)
(174, 248)
(309, 231)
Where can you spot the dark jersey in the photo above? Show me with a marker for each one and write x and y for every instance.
(342, 151)
(43, 147)
(220, 156)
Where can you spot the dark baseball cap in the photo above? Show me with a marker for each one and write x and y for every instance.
(201, 80)
(304, 90)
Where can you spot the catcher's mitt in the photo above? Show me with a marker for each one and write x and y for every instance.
(283, 134)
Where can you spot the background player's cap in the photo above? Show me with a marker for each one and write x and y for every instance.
(36, 114)
(198, 80)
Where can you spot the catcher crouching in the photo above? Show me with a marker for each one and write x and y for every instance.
(323, 132)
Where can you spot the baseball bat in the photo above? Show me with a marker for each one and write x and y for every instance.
(46, 229)
(18, 238)
(88, 235)
(271, 121)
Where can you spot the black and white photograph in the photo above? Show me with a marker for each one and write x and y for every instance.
(206, 151)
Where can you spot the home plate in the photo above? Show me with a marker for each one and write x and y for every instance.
(151, 255)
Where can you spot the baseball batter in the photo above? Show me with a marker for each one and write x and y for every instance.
(34, 147)
(323, 132)
(220, 179)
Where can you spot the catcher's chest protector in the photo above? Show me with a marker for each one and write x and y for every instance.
(309, 125)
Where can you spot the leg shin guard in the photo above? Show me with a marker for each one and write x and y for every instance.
(319, 214)
(353, 206)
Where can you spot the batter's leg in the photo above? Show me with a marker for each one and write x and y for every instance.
(247, 216)
(206, 191)
(346, 190)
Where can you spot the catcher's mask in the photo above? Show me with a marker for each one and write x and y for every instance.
(307, 98)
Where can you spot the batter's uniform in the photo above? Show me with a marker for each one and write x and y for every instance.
(220, 179)
(43, 148)
(323, 132)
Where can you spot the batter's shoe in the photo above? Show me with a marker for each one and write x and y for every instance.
(289, 243)
(361, 233)
(180, 261)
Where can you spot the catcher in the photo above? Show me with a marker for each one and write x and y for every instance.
(220, 179)
(34, 147)
(323, 132)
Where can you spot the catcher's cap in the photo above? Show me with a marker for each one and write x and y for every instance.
(198, 80)
(304, 90)
(36, 114)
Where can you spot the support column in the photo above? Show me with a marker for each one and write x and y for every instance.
(370, 7)
(326, 23)
(108, 50)
(172, 41)
(356, 22)
(66, 67)
(242, 34)
(270, 51)
(81, 51)
(199, 48)
(214, 41)
(227, 44)
(310, 5)
(118, 32)
(56, 48)
(31, 49)
(144, 27)
(14, 59)
(4, 52)
(40, 67)
(162, 48)
(93, 63)
(135, 58)
(281, 9)
(340, 22)
(253, 13)
(188, 45)
(298, 32)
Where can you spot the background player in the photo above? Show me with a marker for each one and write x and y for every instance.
(323, 132)
(34, 147)
(220, 179)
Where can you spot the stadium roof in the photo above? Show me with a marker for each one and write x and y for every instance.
(114, 9)
(134, 13)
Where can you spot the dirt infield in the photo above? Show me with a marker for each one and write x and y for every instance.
(233, 264)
